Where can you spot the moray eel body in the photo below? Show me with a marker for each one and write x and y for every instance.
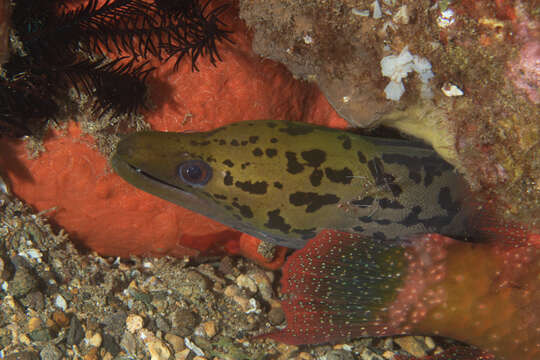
(285, 181)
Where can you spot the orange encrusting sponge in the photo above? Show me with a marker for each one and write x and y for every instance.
(106, 214)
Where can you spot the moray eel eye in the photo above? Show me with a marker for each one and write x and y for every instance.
(195, 172)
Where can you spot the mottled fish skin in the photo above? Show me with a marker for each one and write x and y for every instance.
(286, 181)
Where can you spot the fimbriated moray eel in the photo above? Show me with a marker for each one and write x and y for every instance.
(374, 271)
(285, 181)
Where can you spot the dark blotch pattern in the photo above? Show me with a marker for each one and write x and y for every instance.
(278, 185)
(228, 163)
(314, 157)
(445, 201)
(364, 202)
(245, 165)
(199, 143)
(361, 157)
(293, 166)
(433, 166)
(271, 152)
(296, 129)
(273, 140)
(235, 142)
(276, 221)
(253, 139)
(346, 141)
(390, 204)
(257, 152)
(313, 200)
(432, 224)
(245, 210)
(220, 197)
(343, 176)
(316, 177)
(383, 179)
(228, 179)
(258, 187)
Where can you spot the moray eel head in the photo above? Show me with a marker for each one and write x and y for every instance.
(222, 174)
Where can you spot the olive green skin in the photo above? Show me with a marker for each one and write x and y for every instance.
(285, 181)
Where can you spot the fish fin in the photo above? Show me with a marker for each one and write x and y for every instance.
(339, 286)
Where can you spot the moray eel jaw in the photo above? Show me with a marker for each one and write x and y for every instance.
(151, 161)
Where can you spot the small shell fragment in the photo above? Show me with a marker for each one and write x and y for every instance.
(377, 13)
(363, 13)
(446, 18)
(449, 90)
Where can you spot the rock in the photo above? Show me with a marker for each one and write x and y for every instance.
(182, 355)
(176, 342)
(94, 339)
(209, 328)
(50, 352)
(339, 355)
(75, 332)
(158, 350)
(110, 345)
(24, 281)
(276, 316)
(134, 323)
(369, 354)
(413, 345)
(183, 322)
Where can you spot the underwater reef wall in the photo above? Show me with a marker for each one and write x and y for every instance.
(462, 75)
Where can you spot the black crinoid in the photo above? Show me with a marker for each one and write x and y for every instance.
(60, 48)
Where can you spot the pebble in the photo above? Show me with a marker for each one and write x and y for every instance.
(183, 322)
(176, 342)
(235, 293)
(157, 349)
(110, 345)
(129, 343)
(264, 284)
(60, 302)
(209, 328)
(134, 323)
(60, 318)
(34, 323)
(339, 355)
(244, 281)
(94, 339)
(276, 316)
(412, 345)
(24, 281)
(190, 345)
(368, 354)
(50, 352)
(182, 355)
(75, 332)
(92, 354)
